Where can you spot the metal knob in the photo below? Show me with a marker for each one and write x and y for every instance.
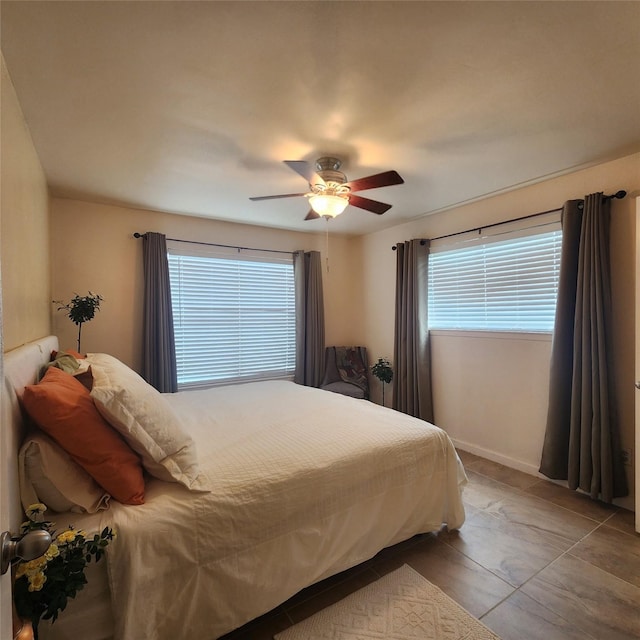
(32, 545)
(637, 384)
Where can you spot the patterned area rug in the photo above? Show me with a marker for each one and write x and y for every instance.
(401, 606)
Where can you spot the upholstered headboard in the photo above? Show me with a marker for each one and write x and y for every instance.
(21, 367)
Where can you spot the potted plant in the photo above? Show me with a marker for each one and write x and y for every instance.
(81, 309)
(43, 586)
(384, 372)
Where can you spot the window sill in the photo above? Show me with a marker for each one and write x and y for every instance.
(208, 384)
(493, 335)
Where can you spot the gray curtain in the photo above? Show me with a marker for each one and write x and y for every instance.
(158, 345)
(307, 268)
(411, 354)
(582, 442)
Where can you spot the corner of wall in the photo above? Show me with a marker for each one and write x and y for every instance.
(24, 222)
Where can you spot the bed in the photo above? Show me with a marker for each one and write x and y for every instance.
(290, 485)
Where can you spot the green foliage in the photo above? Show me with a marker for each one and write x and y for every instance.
(382, 370)
(81, 308)
(44, 585)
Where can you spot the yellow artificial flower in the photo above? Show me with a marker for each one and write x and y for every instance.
(66, 536)
(52, 551)
(36, 581)
(32, 567)
(37, 507)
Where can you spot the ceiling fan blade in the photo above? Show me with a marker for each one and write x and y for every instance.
(284, 195)
(369, 205)
(303, 169)
(312, 215)
(385, 179)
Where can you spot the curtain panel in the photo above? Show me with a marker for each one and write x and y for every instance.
(158, 344)
(307, 270)
(411, 353)
(582, 441)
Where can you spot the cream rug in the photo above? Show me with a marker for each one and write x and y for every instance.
(401, 606)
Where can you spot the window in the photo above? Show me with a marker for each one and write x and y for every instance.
(234, 317)
(496, 284)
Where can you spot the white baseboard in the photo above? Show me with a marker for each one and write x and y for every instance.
(500, 458)
(525, 467)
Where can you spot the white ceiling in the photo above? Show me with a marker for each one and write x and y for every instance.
(190, 107)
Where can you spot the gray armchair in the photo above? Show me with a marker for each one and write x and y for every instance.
(346, 371)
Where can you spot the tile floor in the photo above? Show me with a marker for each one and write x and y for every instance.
(533, 561)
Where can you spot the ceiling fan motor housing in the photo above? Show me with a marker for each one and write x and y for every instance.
(328, 169)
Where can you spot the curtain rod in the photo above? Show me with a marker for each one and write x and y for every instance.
(213, 244)
(618, 195)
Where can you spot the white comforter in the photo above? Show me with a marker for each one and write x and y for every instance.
(305, 483)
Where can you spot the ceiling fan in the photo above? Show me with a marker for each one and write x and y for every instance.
(330, 193)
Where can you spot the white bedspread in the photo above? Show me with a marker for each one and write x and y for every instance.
(306, 483)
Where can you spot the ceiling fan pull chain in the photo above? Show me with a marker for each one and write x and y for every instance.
(327, 242)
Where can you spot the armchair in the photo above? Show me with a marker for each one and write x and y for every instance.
(346, 371)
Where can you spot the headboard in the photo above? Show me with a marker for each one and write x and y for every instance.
(21, 367)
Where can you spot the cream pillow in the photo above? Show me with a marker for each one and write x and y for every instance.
(49, 475)
(146, 421)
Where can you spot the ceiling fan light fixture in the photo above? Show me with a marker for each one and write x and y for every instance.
(328, 206)
(330, 192)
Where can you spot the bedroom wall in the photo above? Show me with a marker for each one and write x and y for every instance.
(24, 228)
(93, 249)
(490, 390)
(25, 284)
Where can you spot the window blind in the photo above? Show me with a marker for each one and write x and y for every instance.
(234, 318)
(498, 284)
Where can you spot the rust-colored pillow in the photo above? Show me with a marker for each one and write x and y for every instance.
(62, 407)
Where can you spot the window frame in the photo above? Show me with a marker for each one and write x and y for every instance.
(498, 235)
(250, 316)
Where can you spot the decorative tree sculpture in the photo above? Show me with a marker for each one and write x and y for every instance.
(81, 309)
(383, 371)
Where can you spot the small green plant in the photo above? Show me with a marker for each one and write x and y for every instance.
(384, 372)
(44, 585)
(81, 309)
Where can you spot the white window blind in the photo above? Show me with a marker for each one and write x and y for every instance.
(234, 318)
(496, 284)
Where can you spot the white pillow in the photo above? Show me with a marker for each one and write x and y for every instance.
(146, 421)
(49, 475)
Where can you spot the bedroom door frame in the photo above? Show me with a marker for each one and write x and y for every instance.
(6, 609)
(637, 365)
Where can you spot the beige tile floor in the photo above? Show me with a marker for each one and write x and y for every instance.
(533, 561)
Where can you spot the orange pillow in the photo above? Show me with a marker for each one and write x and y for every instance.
(62, 407)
